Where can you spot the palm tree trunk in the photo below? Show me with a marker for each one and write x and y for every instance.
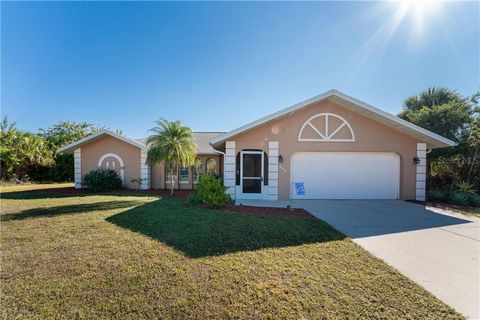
(172, 181)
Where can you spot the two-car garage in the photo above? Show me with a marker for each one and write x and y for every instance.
(346, 175)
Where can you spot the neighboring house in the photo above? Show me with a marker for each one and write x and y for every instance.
(337, 146)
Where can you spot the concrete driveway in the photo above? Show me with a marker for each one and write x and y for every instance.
(440, 250)
(437, 249)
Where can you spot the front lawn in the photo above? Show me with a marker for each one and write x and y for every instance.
(124, 255)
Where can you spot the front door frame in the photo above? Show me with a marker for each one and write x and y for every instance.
(252, 195)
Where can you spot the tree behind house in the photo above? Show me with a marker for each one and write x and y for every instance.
(21, 151)
(60, 135)
(454, 116)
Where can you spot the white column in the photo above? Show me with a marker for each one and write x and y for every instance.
(77, 165)
(229, 168)
(273, 170)
(421, 172)
(144, 171)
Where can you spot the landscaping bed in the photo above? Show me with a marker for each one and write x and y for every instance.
(268, 211)
(454, 207)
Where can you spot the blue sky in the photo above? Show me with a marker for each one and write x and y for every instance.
(217, 66)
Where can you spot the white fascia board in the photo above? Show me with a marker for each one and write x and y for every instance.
(270, 117)
(78, 143)
(332, 93)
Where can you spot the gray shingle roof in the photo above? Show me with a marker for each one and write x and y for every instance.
(201, 138)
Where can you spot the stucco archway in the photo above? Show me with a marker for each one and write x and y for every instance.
(119, 159)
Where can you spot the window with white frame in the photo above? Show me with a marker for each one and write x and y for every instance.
(168, 174)
(183, 175)
(197, 170)
(211, 166)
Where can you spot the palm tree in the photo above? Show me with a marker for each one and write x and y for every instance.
(433, 96)
(173, 143)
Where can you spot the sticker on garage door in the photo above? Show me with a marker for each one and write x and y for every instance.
(299, 188)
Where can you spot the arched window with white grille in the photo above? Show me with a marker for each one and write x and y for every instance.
(326, 127)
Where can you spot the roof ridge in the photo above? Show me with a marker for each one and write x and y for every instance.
(407, 126)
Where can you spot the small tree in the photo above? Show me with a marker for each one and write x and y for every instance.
(211, 191)
(173, 143)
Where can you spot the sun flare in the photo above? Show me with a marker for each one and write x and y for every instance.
(420, 10)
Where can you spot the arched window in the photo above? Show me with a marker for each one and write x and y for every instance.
(211, 166)
(114, 162)
(326, 127)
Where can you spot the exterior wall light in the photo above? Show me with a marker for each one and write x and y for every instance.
(416, 160)
(280, 158)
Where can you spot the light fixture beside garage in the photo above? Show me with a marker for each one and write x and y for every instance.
(280, 159)
(416, 160)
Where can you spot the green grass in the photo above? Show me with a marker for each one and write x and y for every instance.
(127, 256)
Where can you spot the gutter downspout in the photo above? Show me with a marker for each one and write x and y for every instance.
(215, 150)
(220, 152)
(223, 154)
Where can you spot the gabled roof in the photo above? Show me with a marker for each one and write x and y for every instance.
(432, 139)
(100, 134)
(201, 138)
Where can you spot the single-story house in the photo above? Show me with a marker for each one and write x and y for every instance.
(331, 146)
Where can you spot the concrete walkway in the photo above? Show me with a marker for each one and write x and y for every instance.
(440, 250)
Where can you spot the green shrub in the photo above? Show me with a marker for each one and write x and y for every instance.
(460, 198)
(465, 187)
(138, 182)
(459, 194)
(194, 200)
(438, 196)
(211, 191)
(101, 180)
(475, 200)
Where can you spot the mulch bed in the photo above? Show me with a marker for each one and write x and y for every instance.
(183, 195)
(449, 206)
(268, 211)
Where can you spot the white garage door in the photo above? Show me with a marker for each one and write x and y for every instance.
(346, 175)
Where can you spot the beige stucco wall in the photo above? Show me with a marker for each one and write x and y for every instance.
(158, 173)
(93, 151)
(370, 136)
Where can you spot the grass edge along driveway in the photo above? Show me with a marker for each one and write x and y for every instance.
(126, 256)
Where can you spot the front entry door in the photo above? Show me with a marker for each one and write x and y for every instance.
(251, 167)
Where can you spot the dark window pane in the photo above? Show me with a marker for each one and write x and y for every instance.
(237, 169)
(265, 169)
(252, 165)
(252, 186)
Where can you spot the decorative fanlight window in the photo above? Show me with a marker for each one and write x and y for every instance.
(326, 127)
